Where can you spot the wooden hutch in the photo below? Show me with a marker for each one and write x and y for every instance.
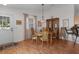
(53, 27)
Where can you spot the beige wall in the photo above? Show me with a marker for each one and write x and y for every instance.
(76, 20)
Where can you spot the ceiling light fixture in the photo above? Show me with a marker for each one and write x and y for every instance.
(42, 11)
(43, 18)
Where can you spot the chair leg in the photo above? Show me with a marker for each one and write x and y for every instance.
(42, 43)
(48, 43)
(51, 41)
(64, 36)
(75, 41)
(36, 41)
(32, 40)
(67, 37)
(72, 36)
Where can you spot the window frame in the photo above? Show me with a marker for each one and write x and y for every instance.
(5, 22)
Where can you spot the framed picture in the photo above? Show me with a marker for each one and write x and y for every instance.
(18, 22)
(66, 23)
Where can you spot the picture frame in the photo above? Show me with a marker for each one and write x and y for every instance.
(39, 23)
(18, 22)
(66, 23)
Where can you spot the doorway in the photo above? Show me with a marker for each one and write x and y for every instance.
(30, 21)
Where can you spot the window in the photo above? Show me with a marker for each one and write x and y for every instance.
(31, 23)
(4, 22)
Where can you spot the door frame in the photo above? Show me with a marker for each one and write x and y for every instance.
(25, 25)
(25, 15)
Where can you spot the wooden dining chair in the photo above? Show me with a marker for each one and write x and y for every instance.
(68, 32)
(34, 36)
(44, 37)
(75, 30)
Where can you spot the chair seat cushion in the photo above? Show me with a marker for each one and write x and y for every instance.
(34, 37)
(69, 32)
(44, 39)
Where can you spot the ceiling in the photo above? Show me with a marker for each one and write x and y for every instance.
(76, 9)
(36, 7)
